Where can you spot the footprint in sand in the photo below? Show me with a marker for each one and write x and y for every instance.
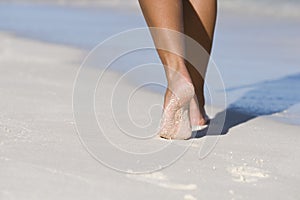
(247, 174)
(189, 197)
(161, 180)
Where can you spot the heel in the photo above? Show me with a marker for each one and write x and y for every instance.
(185, 94)
(184, 130)
(175, 122)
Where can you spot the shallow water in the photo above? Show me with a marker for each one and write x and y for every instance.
(80, 27)
(257, 57)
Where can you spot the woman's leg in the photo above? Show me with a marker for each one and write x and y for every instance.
(169, 14)
(199, 23)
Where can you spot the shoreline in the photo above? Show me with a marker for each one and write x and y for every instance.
(258, 60)
(41, 155)
(288, 10)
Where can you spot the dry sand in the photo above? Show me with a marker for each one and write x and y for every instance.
(41, 156)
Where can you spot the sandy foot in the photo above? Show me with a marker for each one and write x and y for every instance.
(175, 123)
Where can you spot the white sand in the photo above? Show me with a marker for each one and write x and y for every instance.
(41, 156)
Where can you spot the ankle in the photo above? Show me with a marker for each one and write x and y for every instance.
(176, 69)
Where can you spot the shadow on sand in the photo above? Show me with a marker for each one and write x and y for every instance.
(264, 98)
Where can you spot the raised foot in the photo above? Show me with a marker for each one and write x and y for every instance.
(175, 122)
(198, 117)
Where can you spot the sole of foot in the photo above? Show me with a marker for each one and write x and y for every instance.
(175, 123)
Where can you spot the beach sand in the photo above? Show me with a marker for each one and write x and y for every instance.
(41, 156)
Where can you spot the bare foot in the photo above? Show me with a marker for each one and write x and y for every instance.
(175, 123)
(198, 116)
